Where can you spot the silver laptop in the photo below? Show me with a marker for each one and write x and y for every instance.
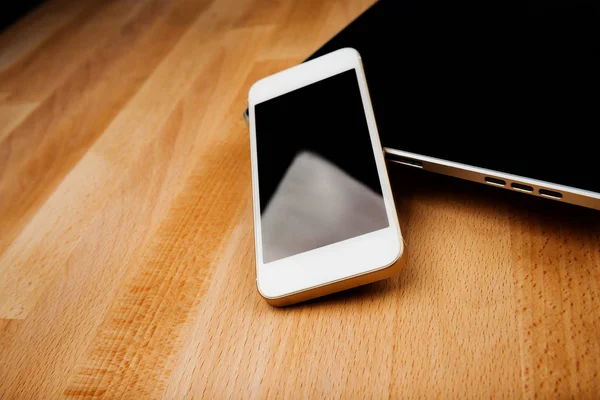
(500, 93)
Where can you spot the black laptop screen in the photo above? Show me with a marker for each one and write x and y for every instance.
(509, 86)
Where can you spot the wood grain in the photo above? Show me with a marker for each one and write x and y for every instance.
(126, 240)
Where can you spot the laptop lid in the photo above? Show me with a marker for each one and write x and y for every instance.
(506, 86)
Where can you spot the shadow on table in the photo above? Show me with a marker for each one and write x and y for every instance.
(11, 12)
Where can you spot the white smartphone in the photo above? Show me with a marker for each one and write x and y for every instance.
(324, 215)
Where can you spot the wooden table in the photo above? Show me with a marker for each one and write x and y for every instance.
(126, 245)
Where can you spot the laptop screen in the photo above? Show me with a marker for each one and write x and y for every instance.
(509, 86)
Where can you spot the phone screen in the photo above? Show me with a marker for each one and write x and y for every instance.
(317, 176)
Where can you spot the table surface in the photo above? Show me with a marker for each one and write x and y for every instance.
(126, 243)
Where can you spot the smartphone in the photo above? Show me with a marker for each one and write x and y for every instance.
(324, 214)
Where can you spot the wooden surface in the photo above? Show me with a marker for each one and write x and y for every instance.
(126, 244)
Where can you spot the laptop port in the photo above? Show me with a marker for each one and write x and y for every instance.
(551, 194)
(495, 181)
(522, 188)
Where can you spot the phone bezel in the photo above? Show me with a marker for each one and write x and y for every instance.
(339, 261)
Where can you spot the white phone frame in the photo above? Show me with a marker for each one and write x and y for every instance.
(336, 262)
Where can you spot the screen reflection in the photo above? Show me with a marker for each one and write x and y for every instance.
(318, 181)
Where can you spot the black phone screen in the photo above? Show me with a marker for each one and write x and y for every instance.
(318, 180)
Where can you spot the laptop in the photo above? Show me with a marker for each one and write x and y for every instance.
(501, 93)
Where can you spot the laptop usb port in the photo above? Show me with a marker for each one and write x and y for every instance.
(522, 188)
(495, 181)
(551, 194)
